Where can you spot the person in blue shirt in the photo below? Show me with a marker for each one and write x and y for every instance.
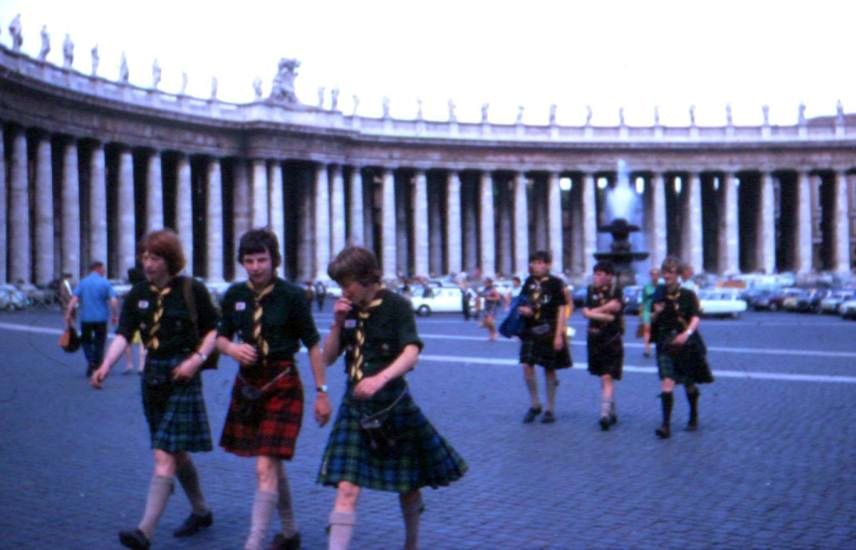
(98, 304)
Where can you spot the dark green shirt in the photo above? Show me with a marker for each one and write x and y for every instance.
(596, 297)
(287, 318)
(551, 298)
(679, 308)
(176, 334)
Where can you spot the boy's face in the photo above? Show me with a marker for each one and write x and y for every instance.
(259, 267)
(357, 293)
(539, 268)
(602, 278)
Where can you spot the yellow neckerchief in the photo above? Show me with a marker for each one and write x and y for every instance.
(673, 297)
(160, 294)
(258, 315)
(535, 297)
(355, 372)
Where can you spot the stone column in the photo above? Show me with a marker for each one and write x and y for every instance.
(4, 204)
(657, 225)
(98, 250)
(338, 210)
(402, 196)
(356, 232)
(729, 240)
(589, 191)
(554, 201)
(214, 221)
(322, 221)
(306, 254)
(260, 195)
(470, 232)
(804, 244)
(766, 244)
(487, 233)
(154, 193)
(70, 210)
(506, 215)
(435, 228)
(388, 255)
(19, 202)
(453, 222)
(841, 227)
(43, 213)
(241, 208)
(521, 226)
(420, 224)
(126, 240)
(277, 208)
(691, 243)
(184, 209)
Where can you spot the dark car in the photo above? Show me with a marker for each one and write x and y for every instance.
(772, 299)
(632, 300)
(805, 300)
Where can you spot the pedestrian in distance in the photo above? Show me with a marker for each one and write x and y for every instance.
(270, 318)
(648, 291)
(544, 339)
(604, 310)
(681, 352)
(380, 439)
(98, 305)
(491, 299)
(177, 346)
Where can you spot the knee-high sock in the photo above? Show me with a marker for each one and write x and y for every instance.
(411, 512)
(263, 505)
(189, 480)
(552, 385)
(160, 488)
(341, 529)
(667, 400)
(285, 507)
(692, 397)
(532, 386)
(607, 407)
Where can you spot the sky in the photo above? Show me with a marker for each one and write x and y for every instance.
(633, 55)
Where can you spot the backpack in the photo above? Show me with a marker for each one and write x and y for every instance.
(512, 325)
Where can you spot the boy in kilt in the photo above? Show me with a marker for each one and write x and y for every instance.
(171, 383)
(544, 338)
(681, 353)
(604, 309)
(271, 317)
(380, 438)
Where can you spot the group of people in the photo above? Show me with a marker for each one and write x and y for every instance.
(380, 438)
(670, 318)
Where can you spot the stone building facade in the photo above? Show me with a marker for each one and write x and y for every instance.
(88, 165)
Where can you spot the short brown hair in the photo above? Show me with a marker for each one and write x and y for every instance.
(166, 244)
(672, 264)
(257, 241)
(354, 263)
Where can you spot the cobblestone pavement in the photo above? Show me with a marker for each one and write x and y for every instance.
(771, 467)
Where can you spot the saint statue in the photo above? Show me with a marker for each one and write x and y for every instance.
(452, 116)
(257, 88)
(156, 74)
(519, 119)
(692, 115)
(729, 120)
(588, 115)
(15, 31)
(46, 44)
(334, 99)
(213, 87)
(419, 108)
(656, 115)
(283, 83)
(385, 107)
(67, 51)
(801, 114)
(321, 97)
(766, 110)
(123, 69)
(484, 109)
(553, 114)
(356, 99)
(839, 113)
(621, 116)
(95, 60)
(183, 88)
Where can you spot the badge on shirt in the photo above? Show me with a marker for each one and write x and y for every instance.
(240, 306)
(143, 304)
(350, 323)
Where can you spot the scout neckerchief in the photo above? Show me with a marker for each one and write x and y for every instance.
(673, 298)
(258, 314)
(160, 294)
(355, 373)
(535, 297)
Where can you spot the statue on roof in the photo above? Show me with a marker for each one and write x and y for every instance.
(765, 109)
(321, 97)
(588, 115)
(257, 88)
(214, 84)
(356, 100)
(656, 115)
(334, 99)
(123, 69)
(452, 116)
(418, 108)
(801, 114)
(484, 109)
(67, 51)
(46, 44)
(283, 82)
(15, 31)
(183, 89)
(385, 105)
(95, 59)
(156, 74)
(692, 115)
(552, 118)
(729, 119)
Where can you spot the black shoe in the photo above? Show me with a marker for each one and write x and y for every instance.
(134, 539)
(664, 432)
(692, 425)
(548, 418)
(90, 368)
(193, 524)
(604, 423)
(613, 419)
(282, 543)
(530, 415)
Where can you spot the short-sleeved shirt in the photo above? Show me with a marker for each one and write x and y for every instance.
(94, 293)
(389, 329)
(176, 333)
(596, 297)
(678, 308)
(551, 298)
(286, 322)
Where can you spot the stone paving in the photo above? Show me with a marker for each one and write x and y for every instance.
(771, 467)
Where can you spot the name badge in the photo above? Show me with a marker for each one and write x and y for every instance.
(350, 323)
(143, 304)
(240, 306)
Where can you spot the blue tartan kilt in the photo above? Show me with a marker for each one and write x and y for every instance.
(176, 414)
(422, 456)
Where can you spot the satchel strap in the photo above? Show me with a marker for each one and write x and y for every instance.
(190, 300)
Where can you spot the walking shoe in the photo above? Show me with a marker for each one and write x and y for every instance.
(613, 419)
(548, 418)
(663, 432)
(604, 423)
(193, 524)
(282, 543)
(530, 415)
(692, 425)
(134, 539)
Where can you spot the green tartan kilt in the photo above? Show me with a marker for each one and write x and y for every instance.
(422, 456)
(176, 414)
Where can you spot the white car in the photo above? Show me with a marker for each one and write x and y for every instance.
(721, 302)
(831, 303)
(428, 300)
(848, 309)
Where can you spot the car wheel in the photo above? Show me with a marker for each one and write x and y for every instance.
(423, 310)
(773, 307)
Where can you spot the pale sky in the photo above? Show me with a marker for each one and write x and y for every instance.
(634, 54)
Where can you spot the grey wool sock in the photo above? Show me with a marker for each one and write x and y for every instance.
(189, 480)
(532, 386)
(263, 505)
(341, 529)
(160, 488)
(286, 509)
(411, 513)
(552, 385)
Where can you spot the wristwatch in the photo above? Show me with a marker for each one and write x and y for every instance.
(321, 389)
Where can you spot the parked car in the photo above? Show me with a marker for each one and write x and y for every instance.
(774, 301)
(632, 300)
(848, 309)
(12, 299)
(831, 303)
(428, 300)
(721, 302)
(806, 300)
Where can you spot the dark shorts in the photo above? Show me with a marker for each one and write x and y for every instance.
(540, 352)
(605, 355)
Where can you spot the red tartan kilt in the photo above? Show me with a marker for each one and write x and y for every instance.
(275, 432)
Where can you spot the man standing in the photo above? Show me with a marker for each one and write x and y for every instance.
(98, 303)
